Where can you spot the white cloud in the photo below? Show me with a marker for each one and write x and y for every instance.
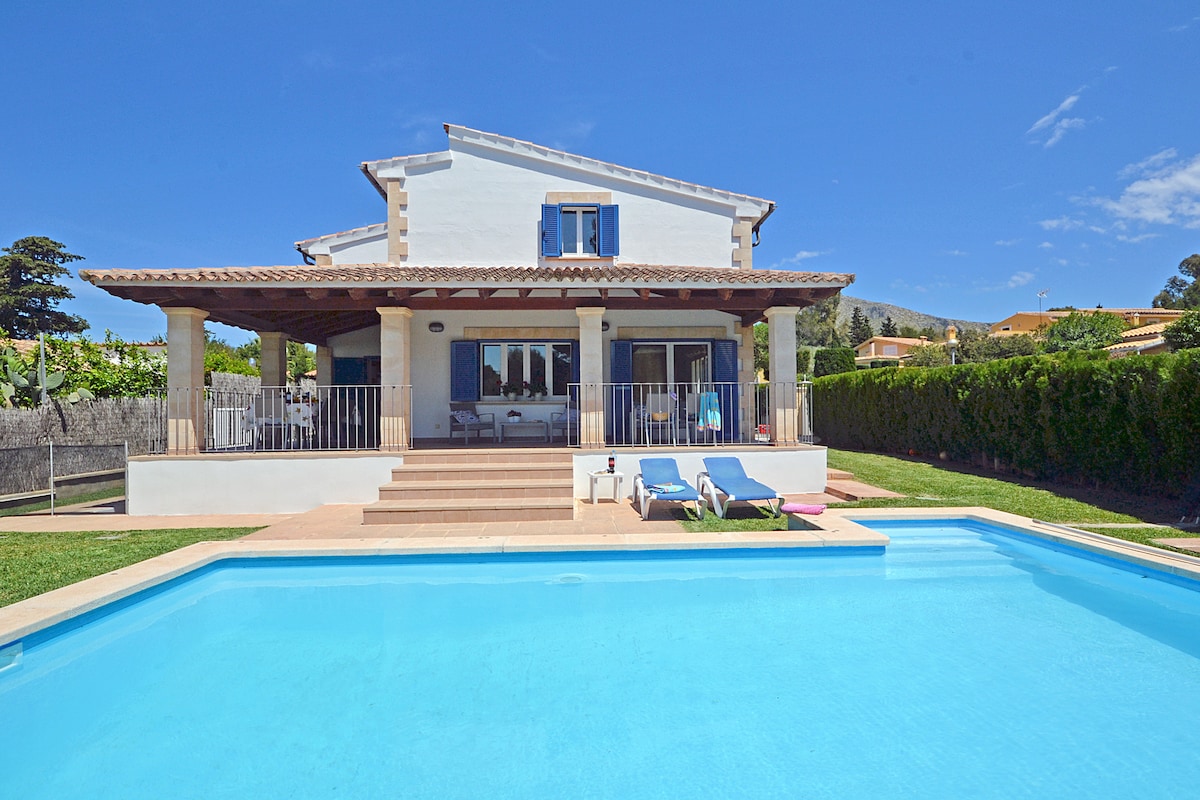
(1007, 242)
(802, 255)
(1147, 166)
(1019, 279)
(1135, 239)
(1060, 129)
(956, 252)
(1062, 262)
(1046, 246)
(1048, 120)
(1168, 195)
(1184, 26)
(1061, 224)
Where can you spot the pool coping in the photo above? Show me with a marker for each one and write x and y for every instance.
(838, 528)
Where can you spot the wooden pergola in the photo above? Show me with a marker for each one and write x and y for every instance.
(313, 303)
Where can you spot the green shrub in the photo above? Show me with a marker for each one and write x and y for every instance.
(1183, 332)
(832, 360)
(1130, 423)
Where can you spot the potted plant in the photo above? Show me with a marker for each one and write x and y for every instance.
(536, 389)
(514, 415)
(512, 390)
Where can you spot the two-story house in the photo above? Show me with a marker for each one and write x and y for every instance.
(502, 263)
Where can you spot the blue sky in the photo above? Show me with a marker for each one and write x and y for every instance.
(957, 158)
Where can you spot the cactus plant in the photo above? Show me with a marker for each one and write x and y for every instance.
(19, 385)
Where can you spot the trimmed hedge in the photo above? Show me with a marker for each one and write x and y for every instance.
(1130, 423)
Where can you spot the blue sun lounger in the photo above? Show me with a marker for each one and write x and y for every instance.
(659, 480)
(726, 476)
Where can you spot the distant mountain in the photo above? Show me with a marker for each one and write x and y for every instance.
(877, 312)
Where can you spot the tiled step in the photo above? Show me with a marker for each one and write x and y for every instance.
(393, 512)
(494, 488)
(853, 490)
(480, 471)
(498, 457)
(838, 475)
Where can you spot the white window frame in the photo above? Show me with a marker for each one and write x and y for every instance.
(526, 363)
(577, 211)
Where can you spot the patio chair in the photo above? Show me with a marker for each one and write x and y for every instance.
(566, 423)
(466, 420)
(659, 480)
(725, 475)
(658, 417)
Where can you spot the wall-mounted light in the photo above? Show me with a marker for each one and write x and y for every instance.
(436, 327)
(603, 326)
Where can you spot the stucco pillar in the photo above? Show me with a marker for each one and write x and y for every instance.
(591, 376)
(324, 365)
(185, 379)
(272, 366)
(781, 344)
(395, 376)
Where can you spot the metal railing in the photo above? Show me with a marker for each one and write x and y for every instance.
(686, 415)
(280, 418)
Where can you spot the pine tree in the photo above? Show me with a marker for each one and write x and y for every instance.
(28, 291)
(888, 328)
(860, 327)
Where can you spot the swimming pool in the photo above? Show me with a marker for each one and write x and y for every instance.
(965, 661)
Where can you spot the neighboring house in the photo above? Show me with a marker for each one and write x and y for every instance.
(1146, 341)
(502, 261)
(886, 348)
(1033, 321)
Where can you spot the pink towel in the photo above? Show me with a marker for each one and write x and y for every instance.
(801, 508)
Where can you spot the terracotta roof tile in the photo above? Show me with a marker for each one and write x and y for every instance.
(392, 274)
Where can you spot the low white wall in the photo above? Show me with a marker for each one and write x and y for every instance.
(252, 484)
(788, 471)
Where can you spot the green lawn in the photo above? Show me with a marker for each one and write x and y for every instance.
(934, 485)
(33, 563)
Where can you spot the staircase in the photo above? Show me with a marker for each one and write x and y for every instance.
(512, 485)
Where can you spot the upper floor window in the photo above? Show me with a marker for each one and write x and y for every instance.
(572, 229)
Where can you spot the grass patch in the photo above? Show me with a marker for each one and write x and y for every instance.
(741, 518)
(1142, 535)
(73, 500)
(928, 485)
(33, 563)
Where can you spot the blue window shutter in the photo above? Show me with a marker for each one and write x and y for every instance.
(725, 375)
(620, 367)
(621, 364)
(574, 361)
(551, 240)
(609, 239)
(349, 372)
(464, 371)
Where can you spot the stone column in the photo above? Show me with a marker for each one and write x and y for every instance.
(185, 379)
(324, 365)
(395, 376)
(272, 367)
(591, 377)
(747, 380)
(397, 222)
(785, 416)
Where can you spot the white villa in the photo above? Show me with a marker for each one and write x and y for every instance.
(619, 303)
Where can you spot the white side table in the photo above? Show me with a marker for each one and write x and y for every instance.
(618, 478)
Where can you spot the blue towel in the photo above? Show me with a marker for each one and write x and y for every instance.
(709, 416)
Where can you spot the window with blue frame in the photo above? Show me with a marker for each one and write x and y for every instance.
(579, 230)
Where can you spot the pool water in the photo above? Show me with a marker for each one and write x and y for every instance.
(965, 662)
